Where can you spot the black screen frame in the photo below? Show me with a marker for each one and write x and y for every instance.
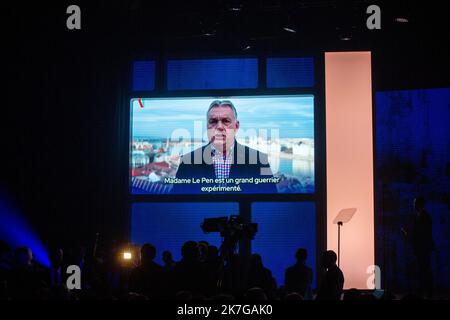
(161, 91)
(219, 197)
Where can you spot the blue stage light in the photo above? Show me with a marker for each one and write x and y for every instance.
(15, 230)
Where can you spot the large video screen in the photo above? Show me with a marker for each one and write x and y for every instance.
(232, 145)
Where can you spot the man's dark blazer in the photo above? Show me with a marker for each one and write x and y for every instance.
(246, 163)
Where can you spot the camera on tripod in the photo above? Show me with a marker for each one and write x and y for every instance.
(230, 228)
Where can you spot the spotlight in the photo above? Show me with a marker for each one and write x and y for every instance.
(345, 37)
(290, 25)
(207, 29)
(127, 256)
(235, 9)
(209, 34)
(289, 29)
(235, 6)
(402, 12)
(401, 19)
(346, 33)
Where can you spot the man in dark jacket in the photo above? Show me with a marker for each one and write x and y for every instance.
(223, 158)
(332, 280)
(148, 277)
(298, 278)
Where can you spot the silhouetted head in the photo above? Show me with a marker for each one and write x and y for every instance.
(148, 252)
(256, 261)
(167, 257)
(23, 257)
(203, 249)
(293, 296)
(301, 255)
(213, 253)
(190, 251)
(419, 203)
(329, 258)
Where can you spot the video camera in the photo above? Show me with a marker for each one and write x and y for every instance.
(230, 228)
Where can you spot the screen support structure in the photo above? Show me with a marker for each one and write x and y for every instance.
(245, 244)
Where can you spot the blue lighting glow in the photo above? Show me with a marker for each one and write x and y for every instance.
(17, 233)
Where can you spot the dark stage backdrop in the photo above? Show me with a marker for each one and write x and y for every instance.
(412, 158)
(65, 124)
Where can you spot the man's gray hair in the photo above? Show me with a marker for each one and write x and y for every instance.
(220, 103)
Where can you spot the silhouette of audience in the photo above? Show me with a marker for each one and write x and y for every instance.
(212, 265)
(332, 278)
(298, 278)
(293, 296)
(259, 276)
(232, 277)
(200, 274)
(147, 278)
(26, 279)
(255, 294)
(189, 273)
(169, 263)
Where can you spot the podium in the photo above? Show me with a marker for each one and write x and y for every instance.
(344, 216)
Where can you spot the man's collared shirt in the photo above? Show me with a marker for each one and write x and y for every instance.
(222, 163)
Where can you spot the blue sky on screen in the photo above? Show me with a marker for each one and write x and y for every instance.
(293, 116)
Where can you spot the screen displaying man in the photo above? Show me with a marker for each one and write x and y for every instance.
(266, 146)
(223, 164)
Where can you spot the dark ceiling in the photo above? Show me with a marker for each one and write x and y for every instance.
(206, 27)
